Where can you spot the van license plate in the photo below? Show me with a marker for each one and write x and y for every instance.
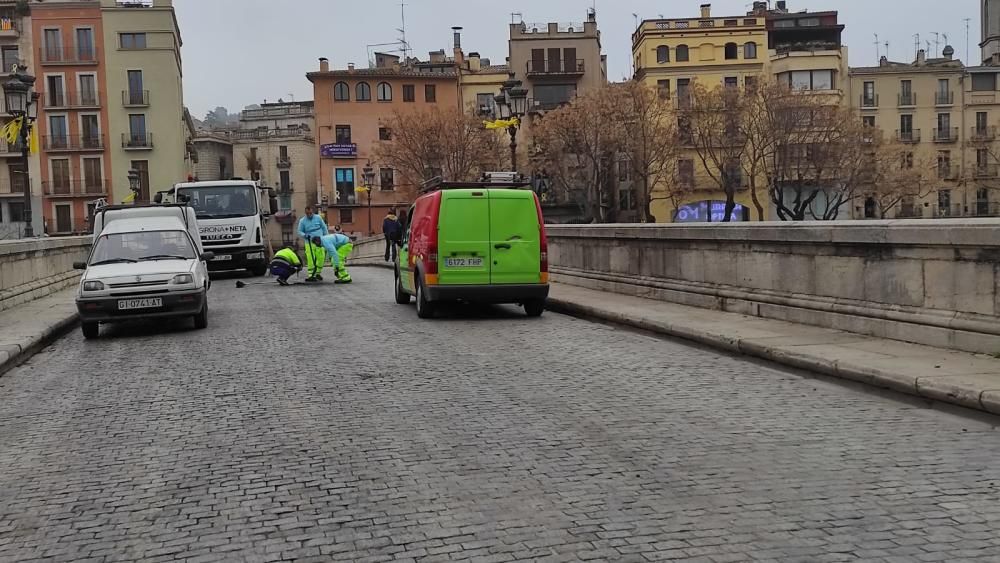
(463, 262)
(130, 304)
(222, 258)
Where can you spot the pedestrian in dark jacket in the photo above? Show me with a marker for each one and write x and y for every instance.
(393, 232)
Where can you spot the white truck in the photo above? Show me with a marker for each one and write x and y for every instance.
(147, 262)
(231, 219)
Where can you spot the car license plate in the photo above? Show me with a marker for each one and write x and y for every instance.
(475, 262)
(222, 258)
(130, 304)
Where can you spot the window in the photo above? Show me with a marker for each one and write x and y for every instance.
(88, 89)
(344, 185)
(132, 40)
(682, 54)
(569, 60)
(684, 92)
(137, 129)
(663, 87)
(750, 83)
(485, 105)
(551, 95)
(982, 157)
(285, 204)
(142, 167)
(627, 200)
(384, 134)
(944, 123)
(343, 134)
(58, 132)
(16, 211)
(868, 94)
(685, 172)
(136, 96)
(623, 170)
(732, 51)
(90, 131)
(60, 176)
(53, 45)
(10, 56)
(944, 202)
(809, 22)
(907, 161)
(750, 51)
(85, 44)
(387, 179)
(346, 216)
(808, 79)
(868, 121)
(363, 92)
(663, 54)
(409, 93)
(384, 92)
(285, 181)
(56, 95)
(984, 82)
(430, 93)
(731, 82)
(554, 64)
(784, 23)
(341, 92)
(17, 177)
(982, 121)
(906, 123)
(64, 218)
(92, 177)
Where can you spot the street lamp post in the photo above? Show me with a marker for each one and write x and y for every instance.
(133, 184)
(22, 103)
(368, 173)
(512, 103)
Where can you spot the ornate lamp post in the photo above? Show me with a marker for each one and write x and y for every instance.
(512, 103)
(22, 103)
(368, 177)
(133, 184)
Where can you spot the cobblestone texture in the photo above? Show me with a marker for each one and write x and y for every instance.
(485, 436)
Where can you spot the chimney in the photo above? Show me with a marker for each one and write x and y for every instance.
(458, 36)
(591, 15)
(706, 10)
(948, 52)
(883, 61)
(324, 64)
(759, 8)
(921, 57)
(350, 67)
(475, 63)
(782, 6)
(459, 55)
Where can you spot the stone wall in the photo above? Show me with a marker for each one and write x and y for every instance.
(34, 268)
(930, 282)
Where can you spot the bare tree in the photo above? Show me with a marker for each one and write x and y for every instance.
(714, 124)
(896, 175)
(254, 165)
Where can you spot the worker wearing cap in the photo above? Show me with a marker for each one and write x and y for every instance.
(338, 247)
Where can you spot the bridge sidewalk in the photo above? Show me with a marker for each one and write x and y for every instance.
(27, 328)
(959, 378)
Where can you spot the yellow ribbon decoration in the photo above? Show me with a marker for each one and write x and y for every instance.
(502, 123)
(11, 132)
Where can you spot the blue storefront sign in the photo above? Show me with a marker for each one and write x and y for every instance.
(708, 212)
(335, 150)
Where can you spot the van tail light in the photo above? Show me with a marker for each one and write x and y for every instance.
(543, 245)
(431, 264)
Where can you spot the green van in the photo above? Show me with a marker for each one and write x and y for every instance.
(474, 243)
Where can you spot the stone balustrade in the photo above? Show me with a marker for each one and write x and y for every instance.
(34, 268)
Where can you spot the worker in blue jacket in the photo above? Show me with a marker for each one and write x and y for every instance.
(338, 247)
(312, 227)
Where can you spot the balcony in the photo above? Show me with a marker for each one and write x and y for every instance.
(67, 56)
(944, 99)
(10, 150)
(137, 141)
(983, 134)
(988, 171)
(945, 211)
(912, 211)
(869, 102)
(73, 143)
(55, 227)
(10, 25)
(912, 136)
(985, 209)
(946, 135)
(556, 67)
(907, 100)
(135, 98)
(284, 163)
(75, 188)
(539, 106)
(948, 171)
(74, 100)
(10, 187)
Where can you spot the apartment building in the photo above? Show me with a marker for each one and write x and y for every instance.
(276, 145)
(15, 48)
(924, 104)
(212, 156)
(353, 109)
(480, 82)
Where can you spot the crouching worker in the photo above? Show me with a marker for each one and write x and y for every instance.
(285, 264)
(338, 247)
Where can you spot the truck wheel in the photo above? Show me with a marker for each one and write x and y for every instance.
(201, 319)
(534, 308)
(402, 298)
(258, 271)
(425, 309)
(90, 330)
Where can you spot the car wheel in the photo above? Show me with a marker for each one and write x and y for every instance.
(402, 298)
(425, 309)
(201, 319)
(258, 271)
(535, 307)
(90, 330)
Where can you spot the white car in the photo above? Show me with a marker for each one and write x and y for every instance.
(144, 265)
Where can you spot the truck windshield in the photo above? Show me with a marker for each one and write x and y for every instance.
(220, 202)
(142, 246)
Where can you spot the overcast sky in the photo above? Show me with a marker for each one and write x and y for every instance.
(241, 52)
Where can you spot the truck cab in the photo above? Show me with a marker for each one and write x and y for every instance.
(231, 220)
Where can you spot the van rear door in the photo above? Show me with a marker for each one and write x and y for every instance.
(514, 237)
(464, 238)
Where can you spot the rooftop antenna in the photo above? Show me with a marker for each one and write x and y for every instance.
(968, 57)
(937, 43)
(878, 54)
(635, 16)
(402, 31)
(916, 44)
(887, 50)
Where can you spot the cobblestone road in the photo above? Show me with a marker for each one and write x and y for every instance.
(485, 436)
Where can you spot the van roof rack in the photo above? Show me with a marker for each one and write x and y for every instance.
(488, 180)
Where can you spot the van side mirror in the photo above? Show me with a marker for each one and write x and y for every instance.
(206, 256)
(79, 265)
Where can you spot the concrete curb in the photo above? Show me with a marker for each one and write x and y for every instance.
(14, 355)
(925, 387)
